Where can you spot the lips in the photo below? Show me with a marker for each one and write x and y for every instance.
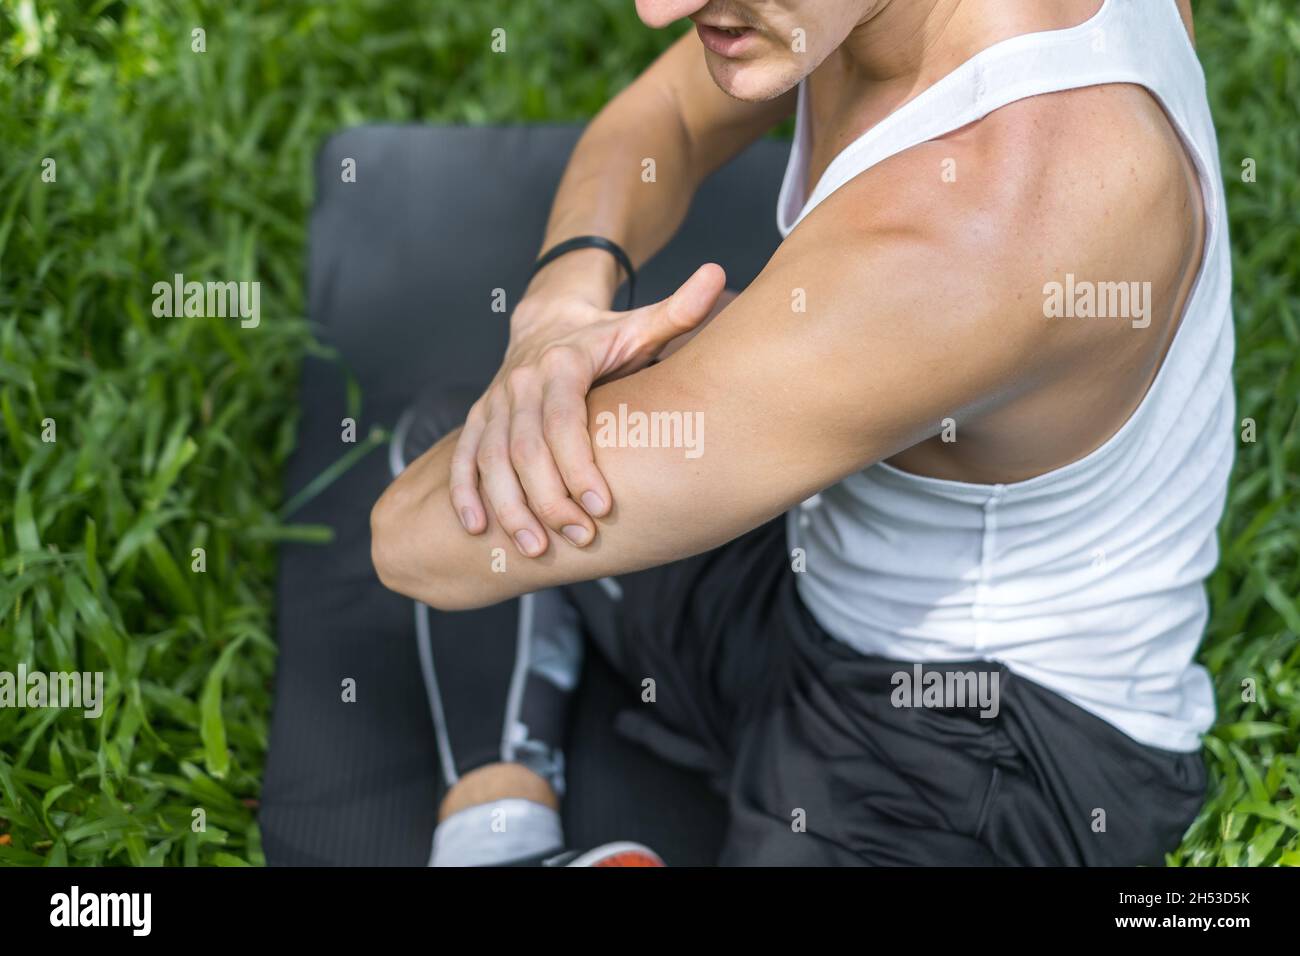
(726, 41)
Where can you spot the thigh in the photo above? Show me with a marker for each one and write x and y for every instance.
(830, 772)
(836, 768)
(1085, 793)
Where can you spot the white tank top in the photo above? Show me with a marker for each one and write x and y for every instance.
(1088, 579)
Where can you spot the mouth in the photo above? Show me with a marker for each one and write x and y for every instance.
(729, 41)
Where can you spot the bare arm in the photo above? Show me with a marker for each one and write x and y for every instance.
(563, 338)
(674, 114)
(1185, 8)
(892, 342)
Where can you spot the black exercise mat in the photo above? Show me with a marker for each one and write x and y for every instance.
(403, 267)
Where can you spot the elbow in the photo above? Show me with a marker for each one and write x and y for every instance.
(385, 545)
(400, 564)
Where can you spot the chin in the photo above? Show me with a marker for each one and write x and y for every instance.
(753, 81)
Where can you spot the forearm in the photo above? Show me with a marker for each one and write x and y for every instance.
(420, 549)
(636, 169)
(674, 493)
(609, 188)
(602, 194)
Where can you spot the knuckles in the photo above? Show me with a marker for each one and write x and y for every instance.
(524, 449)
(519, 380)
(552, 512)
(558, 358)
(558, 421)
(490, 455)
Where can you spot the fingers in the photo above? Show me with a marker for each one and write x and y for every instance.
(525, 451)
(500, 483)
(564, 427)
(534, 462)
(691, 304)
(465, 500)
(515, 464)
(646, 332)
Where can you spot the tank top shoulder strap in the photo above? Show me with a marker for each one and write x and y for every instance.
(1143, 42)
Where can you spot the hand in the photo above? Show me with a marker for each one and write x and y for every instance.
(525, 442)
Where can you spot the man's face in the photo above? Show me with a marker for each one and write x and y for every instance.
(758, 49)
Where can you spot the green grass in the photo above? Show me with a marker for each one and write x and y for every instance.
(1251, 51)
(171, 433)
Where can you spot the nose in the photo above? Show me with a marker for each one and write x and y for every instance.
(660, 13)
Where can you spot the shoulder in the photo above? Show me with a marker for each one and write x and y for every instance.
(1089, 182)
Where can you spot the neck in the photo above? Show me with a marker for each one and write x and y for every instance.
(901, 46)
(898, 40)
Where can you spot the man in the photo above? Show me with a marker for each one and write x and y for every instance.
(985, 378)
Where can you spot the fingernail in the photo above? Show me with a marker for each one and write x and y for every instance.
(467, 519)
(592, 502)
(575, 533)
(527, 542)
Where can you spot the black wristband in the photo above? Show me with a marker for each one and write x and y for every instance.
(592, 242)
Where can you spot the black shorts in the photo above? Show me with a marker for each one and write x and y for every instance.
(820, 767)
(729, 674)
